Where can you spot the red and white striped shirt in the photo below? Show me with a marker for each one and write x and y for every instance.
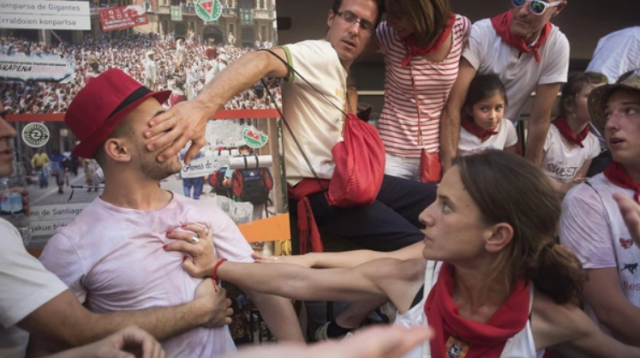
(398, 124)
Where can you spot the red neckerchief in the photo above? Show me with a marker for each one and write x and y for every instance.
(616, 174)
(476, 130)
(309, 236)
(563, 127)
(502, 25)
(485, 340)
(435, 46)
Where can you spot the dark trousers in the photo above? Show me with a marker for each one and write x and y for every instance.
(196, 183)
(389, 224)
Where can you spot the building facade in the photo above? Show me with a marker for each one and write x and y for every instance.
(248, 20)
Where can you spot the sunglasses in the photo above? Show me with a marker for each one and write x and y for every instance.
(536, 6)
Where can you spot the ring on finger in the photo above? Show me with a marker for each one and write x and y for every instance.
(195, 239)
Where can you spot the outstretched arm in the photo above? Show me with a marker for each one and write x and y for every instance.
(344, 259)
(187, 120)
(308, 284)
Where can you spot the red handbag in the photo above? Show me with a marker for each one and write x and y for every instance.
(430, 166)
(360, 162)
(359, 158)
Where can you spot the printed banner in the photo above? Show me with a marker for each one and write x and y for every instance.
(123, 17)
(176, 13)
(41, 68)
(50, 15)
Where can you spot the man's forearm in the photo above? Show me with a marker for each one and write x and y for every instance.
(239, 76)
(449, 137)
(66, 321)
(537, 129)
(161, 323)
(279, 316)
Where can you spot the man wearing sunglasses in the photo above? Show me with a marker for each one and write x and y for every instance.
(529, 54)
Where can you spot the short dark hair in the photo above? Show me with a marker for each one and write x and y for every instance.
(379, 3)
(485, 86)
(575, 83)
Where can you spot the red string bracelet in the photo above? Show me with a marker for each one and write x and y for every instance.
(214, 276)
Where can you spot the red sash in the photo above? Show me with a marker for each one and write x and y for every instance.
(616, 174)
(435, 46)
(483, 134)
(469, 338)
(563, 127)
(502, 25)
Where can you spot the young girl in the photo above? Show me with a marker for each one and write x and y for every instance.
(490, 282)
(483, 127)
(569, 147)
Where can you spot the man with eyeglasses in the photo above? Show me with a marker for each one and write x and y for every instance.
(529, 54)
(313, 111)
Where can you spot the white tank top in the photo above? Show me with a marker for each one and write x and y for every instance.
(627, 253)
(519, 346)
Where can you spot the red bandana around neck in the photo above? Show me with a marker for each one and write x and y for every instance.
(502, 25)
(476, 130)
(563, 127)
(458, 334)
(435, 46)
(616, 174)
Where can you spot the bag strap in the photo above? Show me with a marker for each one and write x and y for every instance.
(275, 104)
(290, 68)
(415, 94)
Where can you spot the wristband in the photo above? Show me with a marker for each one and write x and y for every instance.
(214, 276)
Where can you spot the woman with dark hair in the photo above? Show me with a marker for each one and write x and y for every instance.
(491, 281)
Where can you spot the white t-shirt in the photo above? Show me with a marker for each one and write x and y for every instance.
(560, 163)
(592, 226)
(113, 258)
(26, 285)
(519, 72)
(617, 54)
(506, 137)
(314, 121)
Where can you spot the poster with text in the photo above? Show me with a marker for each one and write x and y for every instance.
(42, 68)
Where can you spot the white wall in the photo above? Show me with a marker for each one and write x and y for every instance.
(583, 21)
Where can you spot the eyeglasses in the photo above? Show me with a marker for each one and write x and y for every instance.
(351, 18)
(537, 7)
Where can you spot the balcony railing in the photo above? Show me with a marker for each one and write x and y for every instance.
(264, 14)
(230, 12)
(188, 10)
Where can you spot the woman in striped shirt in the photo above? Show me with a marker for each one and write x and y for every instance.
(422, 42)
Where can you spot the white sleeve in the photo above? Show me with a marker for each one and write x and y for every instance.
(475, 49)
(548, 142)
(556, 61)
(584, 229)
(310, 58)
(227, 238)
(60, 257)
(512, 135)
(594, 146)
(26, 284)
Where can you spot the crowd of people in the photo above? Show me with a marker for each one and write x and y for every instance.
(502, 245)
(172, 58)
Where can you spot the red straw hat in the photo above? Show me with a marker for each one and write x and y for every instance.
(101, 105)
